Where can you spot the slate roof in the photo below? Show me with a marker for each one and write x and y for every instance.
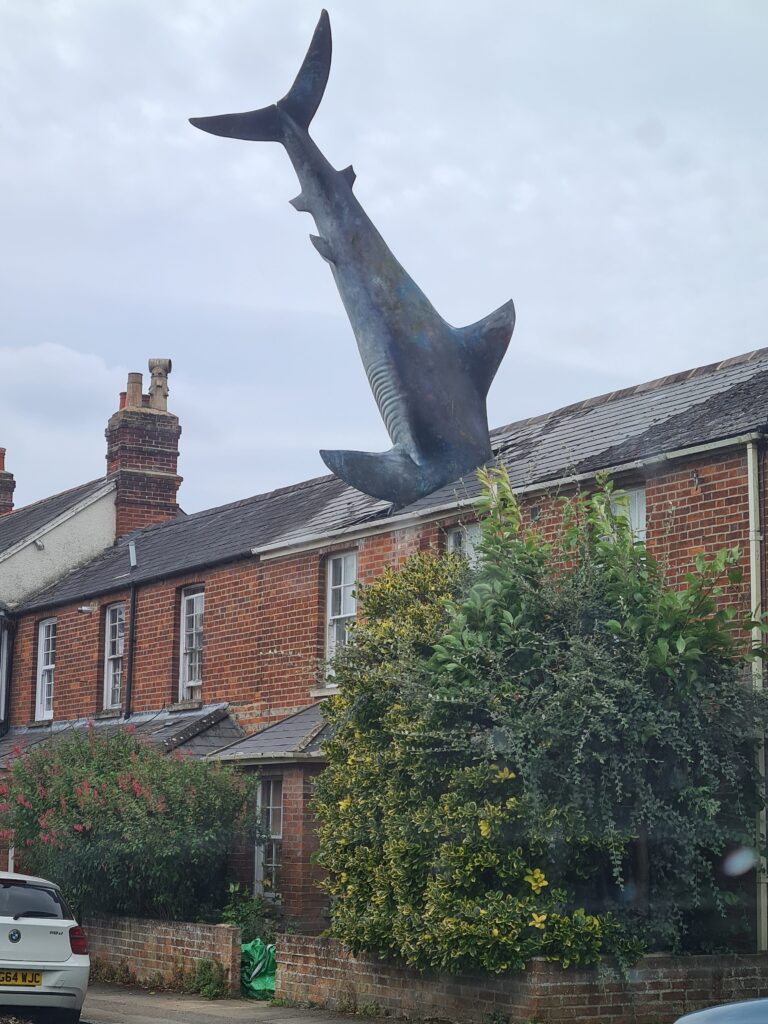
(25, 521)
(709, 403)
(298, 737)
(197, 732)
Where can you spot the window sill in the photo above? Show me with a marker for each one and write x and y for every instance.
(40, 723)
(185, 705)
(271, 897)
(324, 691)
(108, 713)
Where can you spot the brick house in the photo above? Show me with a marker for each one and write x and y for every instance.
(227, 617)
(42, 542)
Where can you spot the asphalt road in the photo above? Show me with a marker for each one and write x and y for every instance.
(111, 1005)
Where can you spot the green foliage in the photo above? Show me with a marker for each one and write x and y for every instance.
(546, 758)
(256, 917)
(209, 980)
(124, 828)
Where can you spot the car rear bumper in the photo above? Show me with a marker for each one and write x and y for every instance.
(63, 987)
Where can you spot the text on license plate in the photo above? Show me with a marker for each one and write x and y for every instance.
(30, 979)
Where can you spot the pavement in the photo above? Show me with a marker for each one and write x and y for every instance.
(107, 1004)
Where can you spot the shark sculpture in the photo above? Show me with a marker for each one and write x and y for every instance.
(429, 379)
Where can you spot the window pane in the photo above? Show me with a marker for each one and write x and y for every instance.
(350, 567)
(277, 793)
(336, 603)
(31, 900)
(348, 603)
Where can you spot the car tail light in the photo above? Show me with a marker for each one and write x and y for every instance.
(77, 941)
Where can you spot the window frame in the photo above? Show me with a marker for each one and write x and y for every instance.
(332, 643)
(268, 859)
(109, 703)
(191, 690)
(43, 713)
(470, 539)
(634, 510)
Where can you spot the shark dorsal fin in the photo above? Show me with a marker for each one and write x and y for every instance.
(348, 174)
(485, 343)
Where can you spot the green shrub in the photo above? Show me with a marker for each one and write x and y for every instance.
(209, 980)
(124, 828)
(548, 759)
(256, 917)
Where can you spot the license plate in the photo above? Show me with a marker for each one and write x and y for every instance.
(22, 979)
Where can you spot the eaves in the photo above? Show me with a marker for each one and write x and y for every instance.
(309, 542)
(52, 524)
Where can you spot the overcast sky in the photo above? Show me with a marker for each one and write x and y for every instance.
(605, 164)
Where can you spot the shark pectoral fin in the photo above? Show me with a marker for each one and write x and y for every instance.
(348, 174)
(391, 476)
(485, 344)
(323, 247)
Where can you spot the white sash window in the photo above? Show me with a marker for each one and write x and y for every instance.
(114, 646)
(191, 643)
(46, 669)
(341, 604)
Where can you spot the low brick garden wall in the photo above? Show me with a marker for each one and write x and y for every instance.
(657, 991)
(154, 950)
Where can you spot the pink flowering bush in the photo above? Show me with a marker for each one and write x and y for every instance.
(123, 827)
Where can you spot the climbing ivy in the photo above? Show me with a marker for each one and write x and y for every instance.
(547, 756)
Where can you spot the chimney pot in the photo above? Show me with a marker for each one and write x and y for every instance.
(133, 395)
(121, 404)
(158, 388)
(2, 458)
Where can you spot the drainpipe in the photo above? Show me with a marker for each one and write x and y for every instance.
(10, 636)
(756, 601)
(131, 649)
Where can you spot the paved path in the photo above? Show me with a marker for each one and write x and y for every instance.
(106, 1004)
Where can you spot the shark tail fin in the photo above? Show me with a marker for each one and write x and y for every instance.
(300, 102)
(485, 344)
(392, 476)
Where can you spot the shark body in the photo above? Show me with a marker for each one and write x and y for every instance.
(429, 379)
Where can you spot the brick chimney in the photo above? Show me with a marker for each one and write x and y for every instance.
(7, 487)
(142, 450)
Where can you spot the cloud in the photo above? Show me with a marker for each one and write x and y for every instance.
(602, 164)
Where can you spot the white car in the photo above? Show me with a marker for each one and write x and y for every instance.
(44, 963)
(752, 1011)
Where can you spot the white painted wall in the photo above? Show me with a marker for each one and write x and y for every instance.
(82, 536)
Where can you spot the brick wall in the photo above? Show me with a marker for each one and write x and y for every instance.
(304, 906)
(264, 636)
(656, 991)
(149, 948)
(142, 453)
(7, 487)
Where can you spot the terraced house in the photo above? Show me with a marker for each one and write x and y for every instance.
(211, 632)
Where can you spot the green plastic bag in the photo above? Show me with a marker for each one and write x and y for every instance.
(257, 970)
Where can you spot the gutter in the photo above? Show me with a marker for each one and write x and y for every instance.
(308, 541)
(279, 757)
(756, 605)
